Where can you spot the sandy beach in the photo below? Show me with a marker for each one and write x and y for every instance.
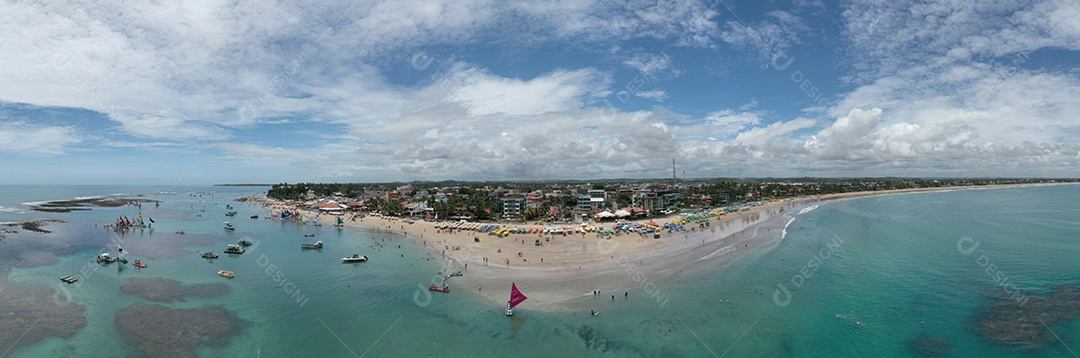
(562, 273)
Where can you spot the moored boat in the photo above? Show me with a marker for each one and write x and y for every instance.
(209, 255)
(440, 289)
(354, 258)
(231, 213)
(229, 226)
(256, 216)
(244, 242)
(309, 235)
(105, 259)
(224, 273)
(234, 249)
(139, 264)
(316, 245)
(69, 279)
(456, 274)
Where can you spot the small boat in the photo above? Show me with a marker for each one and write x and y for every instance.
(243, 242)
(316, 245)
(256, 216)
(234, 249)
(354, 258)
(121, 260)
(69, 279)
(231, 213)
(228, 206)
(440, 289)
(105, 259)
(309, 235)
(224, 273)
(516, 297)
(340, 223)
(139, 264)
(181, 232)
(229, 226)
(456, 274)
(209, 255)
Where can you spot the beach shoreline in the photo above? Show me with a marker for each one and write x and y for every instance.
(560, 274)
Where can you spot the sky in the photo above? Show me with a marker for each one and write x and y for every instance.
(202, 92)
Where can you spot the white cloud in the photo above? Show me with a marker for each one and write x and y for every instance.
(649, 64)
(22, 138)
(655, 95)
(482, 93)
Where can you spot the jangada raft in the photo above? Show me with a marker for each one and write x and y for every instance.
(516, 298)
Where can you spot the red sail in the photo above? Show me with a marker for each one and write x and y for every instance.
(516, 297)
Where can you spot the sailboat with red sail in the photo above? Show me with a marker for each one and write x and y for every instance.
(516, 298)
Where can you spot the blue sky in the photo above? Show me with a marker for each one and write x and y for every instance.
(213, 92)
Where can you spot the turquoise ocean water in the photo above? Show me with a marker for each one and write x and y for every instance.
(863, 277)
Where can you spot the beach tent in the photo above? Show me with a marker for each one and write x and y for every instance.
(605, 214)
(622, 213)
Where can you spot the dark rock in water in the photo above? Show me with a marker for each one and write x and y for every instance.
(1022, 321)
(35, 226)
(159, 289)
(63, 206)
(593, 339)
(925, 345)
(159, 331)
(29, 314)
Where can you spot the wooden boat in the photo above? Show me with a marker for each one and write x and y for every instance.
(105, 259)
(256, 216)
(234, 249)
(440, 289)
(309, 235)
(354, 258)
(69, 279)
(456, 274)
(181, 232)
(224, 273)
(516, 297)
(209, 255)
(316, 245)
(139, 264)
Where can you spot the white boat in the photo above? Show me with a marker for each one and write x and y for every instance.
(316, 245)
(516, 297)
(229, 226)
(354, 258)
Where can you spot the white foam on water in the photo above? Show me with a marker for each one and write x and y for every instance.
(807, 209)
(721, 251)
